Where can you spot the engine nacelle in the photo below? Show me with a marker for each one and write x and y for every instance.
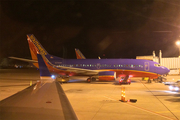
(107, 75)
(62, 78)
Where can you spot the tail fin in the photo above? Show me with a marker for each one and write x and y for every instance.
(44, 72)
(79, 55)
(35, 48)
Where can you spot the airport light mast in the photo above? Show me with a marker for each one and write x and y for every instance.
(178, 44)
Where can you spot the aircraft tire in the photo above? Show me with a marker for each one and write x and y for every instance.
(149, 81)
(93, 79)
(89, 80)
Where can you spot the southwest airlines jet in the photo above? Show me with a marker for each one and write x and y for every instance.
(44, 100)
(103, 69)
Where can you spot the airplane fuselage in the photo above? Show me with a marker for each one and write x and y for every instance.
(132, 67)
(103, 68)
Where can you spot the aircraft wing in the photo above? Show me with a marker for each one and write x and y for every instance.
(44, 100)
(41, 101)
(25, 60)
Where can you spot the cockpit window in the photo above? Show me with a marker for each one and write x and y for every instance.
(157, 65)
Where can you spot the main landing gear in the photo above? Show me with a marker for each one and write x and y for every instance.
(91, 79)
(149, 80)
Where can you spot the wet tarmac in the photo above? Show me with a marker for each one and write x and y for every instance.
(101, 100)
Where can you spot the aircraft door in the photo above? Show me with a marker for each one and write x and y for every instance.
(146, 66)
(98, 65)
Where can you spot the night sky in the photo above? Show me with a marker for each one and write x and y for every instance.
(109, 29)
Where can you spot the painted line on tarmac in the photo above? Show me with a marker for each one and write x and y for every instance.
(175, 111)
(143, 109)
(151, 112)
(109, 98)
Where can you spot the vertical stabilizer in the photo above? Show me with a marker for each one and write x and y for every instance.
(79, 55)
(35, 48)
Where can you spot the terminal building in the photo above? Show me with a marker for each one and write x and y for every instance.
(172, 63)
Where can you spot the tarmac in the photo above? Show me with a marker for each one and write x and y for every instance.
(102, 100)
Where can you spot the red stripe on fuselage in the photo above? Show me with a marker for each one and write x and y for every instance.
(121, 73)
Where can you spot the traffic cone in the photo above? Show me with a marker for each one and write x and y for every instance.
(123, 94)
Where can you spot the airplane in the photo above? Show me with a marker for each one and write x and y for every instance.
(79, 55)
(44, 100)
(104, 69)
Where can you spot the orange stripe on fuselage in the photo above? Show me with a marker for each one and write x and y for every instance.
(106, 78)
(134, 73)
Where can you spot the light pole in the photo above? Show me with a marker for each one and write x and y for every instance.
(178, 44)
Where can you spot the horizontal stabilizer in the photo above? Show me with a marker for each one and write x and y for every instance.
(25, 60)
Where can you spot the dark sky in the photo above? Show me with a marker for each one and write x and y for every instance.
(114, 28)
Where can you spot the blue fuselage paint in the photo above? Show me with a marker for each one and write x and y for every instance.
(111, 64)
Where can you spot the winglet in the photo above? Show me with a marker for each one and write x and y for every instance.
(79, 55)
(44, 72)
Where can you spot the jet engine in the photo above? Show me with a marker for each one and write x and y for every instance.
(107, 76)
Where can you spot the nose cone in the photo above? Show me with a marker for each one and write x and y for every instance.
(165, 70)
